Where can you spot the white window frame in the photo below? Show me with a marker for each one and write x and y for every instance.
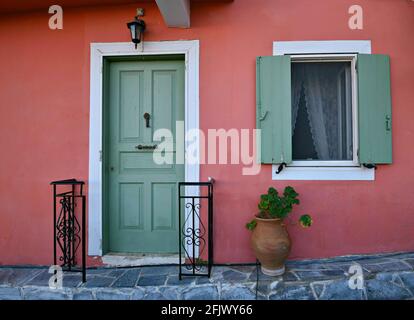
(325, 51)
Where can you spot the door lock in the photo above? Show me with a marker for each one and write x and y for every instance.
(147, 118)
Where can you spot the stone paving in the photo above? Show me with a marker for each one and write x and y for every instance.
(385, 277)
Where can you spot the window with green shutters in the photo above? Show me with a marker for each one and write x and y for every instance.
(324, 110)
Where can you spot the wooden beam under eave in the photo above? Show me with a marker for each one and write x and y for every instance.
(176, 13)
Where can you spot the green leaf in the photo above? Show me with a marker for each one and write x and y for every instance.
(251, 225)
(305, 221)
(272, 191)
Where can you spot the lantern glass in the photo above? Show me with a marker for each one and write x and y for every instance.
(136, 28)
(133, 29)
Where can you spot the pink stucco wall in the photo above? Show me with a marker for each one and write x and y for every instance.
(44, 120)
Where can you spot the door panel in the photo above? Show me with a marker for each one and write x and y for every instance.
(163, 84)
(164, 195)
(141, 195)
(136, 162)
(130, 86)
(130, 212)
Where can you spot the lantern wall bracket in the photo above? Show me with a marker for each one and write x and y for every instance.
(140, 12)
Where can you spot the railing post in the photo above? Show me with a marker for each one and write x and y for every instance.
(210, 230)
(54, 225)
(179, 231)
(83, 237)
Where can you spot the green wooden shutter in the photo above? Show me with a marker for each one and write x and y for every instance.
(374, 109)
(273, 108)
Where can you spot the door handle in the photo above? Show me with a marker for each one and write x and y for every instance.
(147, 118)
(144, 147)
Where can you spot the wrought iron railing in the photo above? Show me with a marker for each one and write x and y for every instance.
(196, 228)
(69, 225)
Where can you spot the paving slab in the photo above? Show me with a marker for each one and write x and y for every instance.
(17, 276)
(152, 280)
(129, 278)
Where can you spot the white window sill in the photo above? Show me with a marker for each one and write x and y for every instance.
(323, 173)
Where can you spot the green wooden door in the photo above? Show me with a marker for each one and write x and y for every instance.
(141, 195)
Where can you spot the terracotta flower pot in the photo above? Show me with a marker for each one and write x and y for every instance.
(271, 244)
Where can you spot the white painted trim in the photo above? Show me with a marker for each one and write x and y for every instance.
(119, 260)
(314, 49)
(321, 163)
(98, 51)
(323, 173)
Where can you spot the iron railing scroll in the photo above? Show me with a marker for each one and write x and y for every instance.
(69, 204)
(195, 208)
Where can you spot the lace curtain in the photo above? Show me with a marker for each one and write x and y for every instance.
(319, 83)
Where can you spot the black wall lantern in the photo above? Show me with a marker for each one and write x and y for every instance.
(137, 28)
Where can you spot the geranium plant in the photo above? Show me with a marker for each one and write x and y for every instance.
(275, 206)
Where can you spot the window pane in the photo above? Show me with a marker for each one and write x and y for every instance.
(321, 111)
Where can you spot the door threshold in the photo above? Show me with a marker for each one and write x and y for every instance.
(113, 259)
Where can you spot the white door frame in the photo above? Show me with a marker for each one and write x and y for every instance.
(100, 50)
